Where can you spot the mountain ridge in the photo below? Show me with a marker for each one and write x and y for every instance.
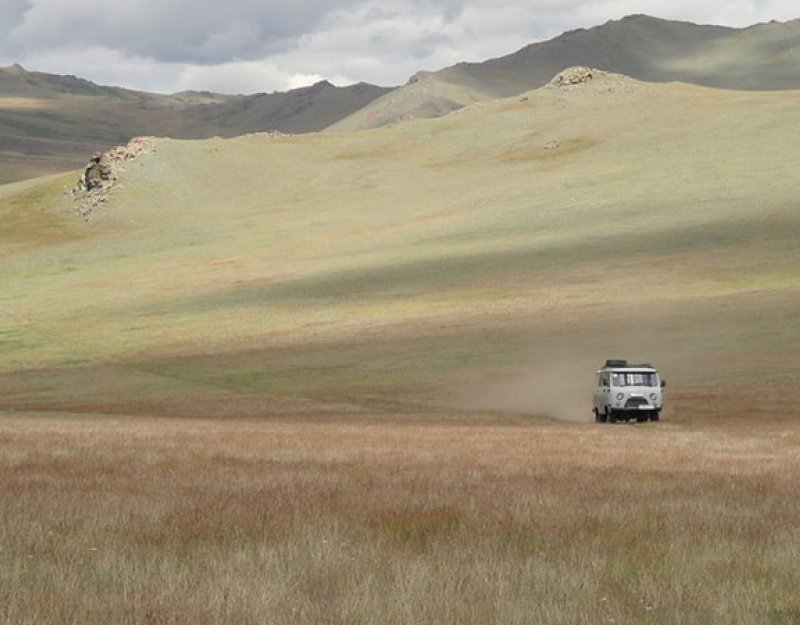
(759, 57)
(51, 123)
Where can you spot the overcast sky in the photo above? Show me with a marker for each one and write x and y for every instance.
(247, 46)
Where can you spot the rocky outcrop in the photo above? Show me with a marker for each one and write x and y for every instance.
(421, 77)
(576, 76)
(97, 174)
(591, 82)
(101, 174)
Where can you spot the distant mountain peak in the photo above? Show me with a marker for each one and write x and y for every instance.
(15, 70)
(639, 46)
(321, 85)
(638, 17)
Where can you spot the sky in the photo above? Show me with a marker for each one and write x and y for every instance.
(252, 46)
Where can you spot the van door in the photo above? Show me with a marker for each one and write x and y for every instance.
(601, 391)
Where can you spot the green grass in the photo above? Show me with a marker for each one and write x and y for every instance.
(412, 263)
(29, 219)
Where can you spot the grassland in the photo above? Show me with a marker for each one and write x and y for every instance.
(425, 262)
(344, 378)
(213, 521)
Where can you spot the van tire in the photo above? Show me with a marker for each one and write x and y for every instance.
(611, 416)
(655, 415)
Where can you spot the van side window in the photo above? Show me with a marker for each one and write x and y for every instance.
(604, 379)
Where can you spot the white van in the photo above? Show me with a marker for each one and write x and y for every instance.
(625, 391)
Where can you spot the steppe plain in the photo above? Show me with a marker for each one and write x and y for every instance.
(345, 377)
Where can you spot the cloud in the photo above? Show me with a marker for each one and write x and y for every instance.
(242, 77)
(111, 67)
(265, 45)
(175, 31)
(385, 43)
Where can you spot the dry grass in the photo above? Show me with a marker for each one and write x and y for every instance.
(191, 521)
(24, 104)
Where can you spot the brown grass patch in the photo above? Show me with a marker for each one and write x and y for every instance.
(176, 521)
(24, 104)
(542, 151)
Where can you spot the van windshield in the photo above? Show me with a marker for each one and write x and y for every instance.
(634, 378)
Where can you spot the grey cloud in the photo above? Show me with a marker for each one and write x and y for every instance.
(181, 31)
(246, 45)
(11, 12)
(175, 31)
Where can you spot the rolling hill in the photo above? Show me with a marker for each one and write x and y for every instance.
(52, 123)
(760, 57)
(487, 260)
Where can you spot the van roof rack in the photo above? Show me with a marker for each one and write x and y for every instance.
(620, 363)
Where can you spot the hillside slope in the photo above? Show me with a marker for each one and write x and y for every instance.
(760, 57)
(53, 123)
(486, 260)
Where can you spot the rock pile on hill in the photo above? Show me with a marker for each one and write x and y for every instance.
(421, 77)
(102, 172)
(576, 76)
(271, 134)
(591, 82)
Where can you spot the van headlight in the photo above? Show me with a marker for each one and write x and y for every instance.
(653, 396)
(620, 396)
